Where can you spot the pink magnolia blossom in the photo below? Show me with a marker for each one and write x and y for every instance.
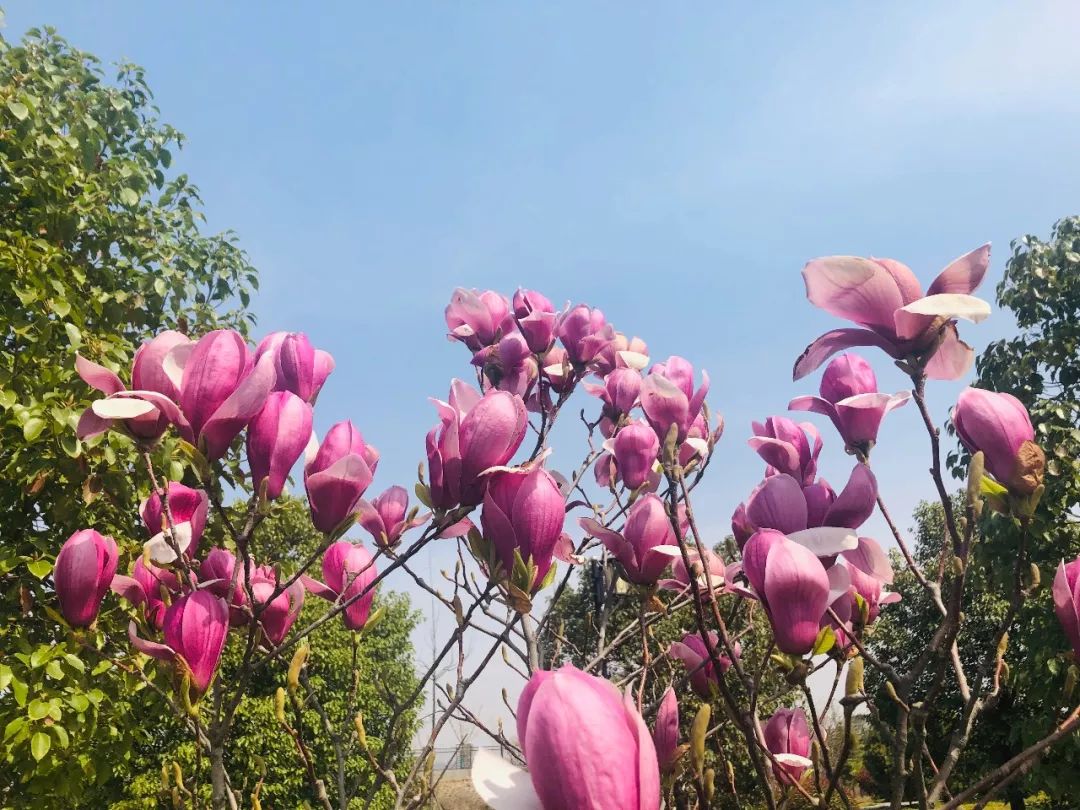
(850, 398)
(785, 446)
(145, 412)
(787, 736)
(999, 426)
(558, 371)
(619, 392)
(299, 366)
(634, 449)
(276, 438)
(195, 629)
(348, 572)
(585, 334)
(585, 744)
(666, 731)
(83, 572)
(508, 365)
(524, 512)
(475, 433)
(621, 352)
(793, 585)
(216, 576)
(536, 319)
(668, 397)
(694, 655)
(647, 543)
(1066, 593)
(386, 517)
(150, 587)
(221, 388)
(337, 474)
(188, 507)
(884, 298)
(476, 318)
(277, 613)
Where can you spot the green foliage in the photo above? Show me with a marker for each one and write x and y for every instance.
(100, 245)
(1041, 366)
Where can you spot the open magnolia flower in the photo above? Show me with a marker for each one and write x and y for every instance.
(884, 298)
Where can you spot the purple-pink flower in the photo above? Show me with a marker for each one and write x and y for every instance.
(82, 574)
(536, 319)
(1066, 592)
(999, 426)
(694, 655)
(668, 397)
(476, 318)
(149, 586)
(508, 365)
(584, 333)
(783, 444)
(523, 513)
(885, 299)
(386, 517)
(337, 475)
(793, 585)
(585, 744)
(475, 433)
(188, 508)
(276, 613)
(850, 398)
(787, 736)
(299, 366)
(276, 438)
(647, 543)
(666, 731)
(634, 449)
(195, 629)
(348, 571)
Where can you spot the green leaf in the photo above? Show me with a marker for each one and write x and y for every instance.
(71, 445)
(74, 335)
(40, 568)
(78, 702)
(19, 689)
(37, 710)
(5, 676)
(32, 428)
(75, 662)
(129, 196)
(7, 399)
(14, 727)
(826, 639)
(18, 109)
(40, 744)
(54, 670)
(61, 735)
(61, 307)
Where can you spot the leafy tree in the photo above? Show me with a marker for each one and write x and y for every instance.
(1041, 366)
(100, 246)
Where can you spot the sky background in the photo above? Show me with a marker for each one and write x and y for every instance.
(675, 165)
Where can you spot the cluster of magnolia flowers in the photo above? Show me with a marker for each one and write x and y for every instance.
(802, 557)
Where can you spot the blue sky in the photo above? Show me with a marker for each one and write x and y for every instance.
(674, 167)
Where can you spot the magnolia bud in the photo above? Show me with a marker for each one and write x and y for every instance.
(279, 705)
(297, 663)
(698, 731)
(854, 684)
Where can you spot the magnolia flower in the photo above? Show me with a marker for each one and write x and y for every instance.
(195, 629)
(476, 318)
(276, 438)
(693, 652)
(1066, 593)
(787, 736)
(792, 584)
(386, 517)
(348, 572)
(82, 574)
(999, 426)
(584, 333)
(647, 543)
(475, 433)
(277, 613)
(508, 365)
(536, 319)
(884, 297)
(149, 586)
(634, 449)
(619, 392)
(216, 575)
(337, 474)
(668, 397)
(188, 508)
(523, 515)
(299, 366)
(146, 412)
(850, 398)
(783, 444)
(666, 731)
(585, 744)
(621, 352)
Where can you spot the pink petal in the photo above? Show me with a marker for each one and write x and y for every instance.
(151, 648)
(870, 558)
(98, 376)
(963, 275)
(854, 288)
(837, 340)
(953, 359)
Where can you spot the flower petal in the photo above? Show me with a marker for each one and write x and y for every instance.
(502, 785)
(826, 541)
(97, 376)
(963, 275)
(911, 319)
(851, 287)
(837, 340)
